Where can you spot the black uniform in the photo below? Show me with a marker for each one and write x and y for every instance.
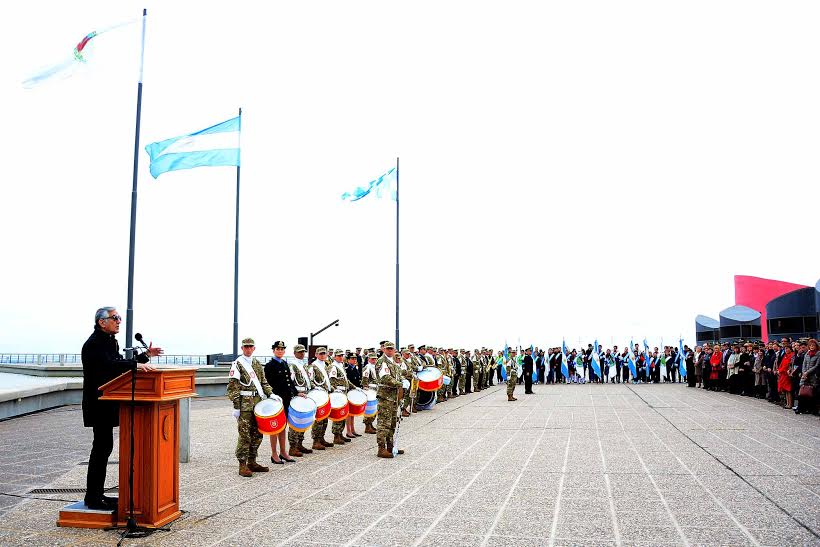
(468, 385)
(277, 373)
(527, 372)
(102, 363)
(354, 375)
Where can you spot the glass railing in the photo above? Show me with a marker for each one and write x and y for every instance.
(52, 359)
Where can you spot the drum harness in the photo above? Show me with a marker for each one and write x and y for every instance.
(247, 366)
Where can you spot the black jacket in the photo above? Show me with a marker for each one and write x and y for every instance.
(457, 362)
(277, 373)
(354, 376)
(527, 366)
(102, 363)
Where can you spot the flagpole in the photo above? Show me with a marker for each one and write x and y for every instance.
(236, 255)
(397, 253)
(129, 312)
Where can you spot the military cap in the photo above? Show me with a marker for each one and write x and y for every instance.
(350, 355)
(372, 355)
(338, 352)
(298, 347)
(411, 346)
(321, 350)
(422, 346)
(389, 345)
(383, 342)
(278, 345)
(405, 350)
(248, 342)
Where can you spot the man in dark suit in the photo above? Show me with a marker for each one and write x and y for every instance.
(468, 371)
(102, 363)
(527, 368)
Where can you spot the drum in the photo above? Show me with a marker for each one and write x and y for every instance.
(372, 407)
(446, 380)
(426, 400)
(270, 416)
(430, 379)
(357, 401)
(322, 400)
(302, 413)
(338, 407)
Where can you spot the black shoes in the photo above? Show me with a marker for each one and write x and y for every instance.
(104, 503)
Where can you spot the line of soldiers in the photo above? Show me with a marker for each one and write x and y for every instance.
(392, 374)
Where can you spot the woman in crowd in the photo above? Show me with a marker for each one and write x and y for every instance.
(699, 358)
(760, 378)
(784, 378)
(810, 378)
(716, 362)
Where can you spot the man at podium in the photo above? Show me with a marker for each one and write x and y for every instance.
(102, 362)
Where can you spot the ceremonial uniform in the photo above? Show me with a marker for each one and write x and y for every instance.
(369, 381)
(318, 378)
(462, 375)
(390, 382)
(246, 387)
(406, 366)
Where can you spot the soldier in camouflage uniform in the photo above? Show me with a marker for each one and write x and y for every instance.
(318, 378)
(462, 378)
(390, 383)
(370, 380)
(406, 365)
(338, 382)
(478, 368)
(512, 375)
(441, 364)
(246, 380)
(296, 439)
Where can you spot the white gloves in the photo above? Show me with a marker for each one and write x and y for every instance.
(405, 383)
(236, 414)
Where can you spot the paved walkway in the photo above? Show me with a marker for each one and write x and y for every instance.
(570, 465)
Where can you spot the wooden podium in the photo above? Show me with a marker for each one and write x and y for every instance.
(156, 443)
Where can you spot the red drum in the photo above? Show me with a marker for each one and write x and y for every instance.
(338, 407)
(270, 416)
(357, 401)
(322, 400)
(430, 379)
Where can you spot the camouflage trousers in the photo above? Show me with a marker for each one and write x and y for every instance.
(369, 420)
(386, 422)
(337, 427)
(249, 439)
(461, 383)
(405, 402)
(511, 381)
(317, 431)
(295, 438)
(478, 381)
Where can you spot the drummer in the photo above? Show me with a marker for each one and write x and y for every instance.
(277, 373)
(370, 381)
(296, 439)
(390, 382)
(318, 377)
(247, 387)
(338, 382)
(406, 366)
(354, 381)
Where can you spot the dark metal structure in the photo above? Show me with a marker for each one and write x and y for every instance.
(739, 323)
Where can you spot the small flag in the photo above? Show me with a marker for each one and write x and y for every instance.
(383, 186)
(78, 58)
(217, 145)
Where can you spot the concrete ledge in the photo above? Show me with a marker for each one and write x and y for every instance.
(42, 401)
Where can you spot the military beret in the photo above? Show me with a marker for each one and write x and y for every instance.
(248, 342)
(278, 345)
(298, 347)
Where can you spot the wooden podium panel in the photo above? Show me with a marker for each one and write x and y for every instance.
(156, 445)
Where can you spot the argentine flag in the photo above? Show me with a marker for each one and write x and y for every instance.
(564, 365)
(630, 361)
(385, 185)
(596, 359)
(681, 359)
(217, 145)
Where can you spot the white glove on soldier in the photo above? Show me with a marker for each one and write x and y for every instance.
(236, 414)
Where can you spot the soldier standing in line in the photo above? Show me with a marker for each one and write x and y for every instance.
(390, 384)
(418, 364)
(370, 381)
(318, 377)
(296, 439)
(462, 377)
(406, 365)
(491, 365)
(246, 387)
(338, 382)
(512, 375)
(441, 394)
(479, 379)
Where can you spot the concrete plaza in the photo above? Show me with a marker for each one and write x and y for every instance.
(569, 465)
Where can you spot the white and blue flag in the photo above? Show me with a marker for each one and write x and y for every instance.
(564, 365)
(217, 145)
(383, 186)
(681, 359)
(596, 359)
(630, 361)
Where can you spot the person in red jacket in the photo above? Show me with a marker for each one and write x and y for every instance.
(716, 361)
(784, 379)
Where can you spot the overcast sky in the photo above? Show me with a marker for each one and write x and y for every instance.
(568, 169)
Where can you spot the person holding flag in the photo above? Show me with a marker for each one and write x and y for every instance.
(564, 361)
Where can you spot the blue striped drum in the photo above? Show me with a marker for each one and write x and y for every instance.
(302, 413)
(372, 406)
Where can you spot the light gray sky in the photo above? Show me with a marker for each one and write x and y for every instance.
(577, 169)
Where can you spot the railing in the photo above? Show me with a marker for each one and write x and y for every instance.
(74, 359)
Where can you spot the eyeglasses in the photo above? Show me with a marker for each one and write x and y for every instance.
(115, 318)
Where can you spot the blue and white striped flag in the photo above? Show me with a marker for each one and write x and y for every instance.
(217, 145)
(596, 359)
(681, 359)
(564, 365)
(630, 361)
(383, 186)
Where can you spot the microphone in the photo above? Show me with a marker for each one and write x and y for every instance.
(138, 336)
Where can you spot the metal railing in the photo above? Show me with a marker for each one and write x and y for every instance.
(74, 359)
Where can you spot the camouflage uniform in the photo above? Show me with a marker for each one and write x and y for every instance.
(406, 366)
(389, 383)
(478, 367)
(243, 394)
(441, 364)
(300, 378)
(338, 382)
(512, 375)
(318, 377)
(462, 378)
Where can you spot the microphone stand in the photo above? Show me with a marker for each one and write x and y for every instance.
(131, 528)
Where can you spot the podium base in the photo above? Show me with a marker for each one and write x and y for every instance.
(156, 524)
(77, 515)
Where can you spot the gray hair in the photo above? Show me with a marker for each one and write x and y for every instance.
(102, 313)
